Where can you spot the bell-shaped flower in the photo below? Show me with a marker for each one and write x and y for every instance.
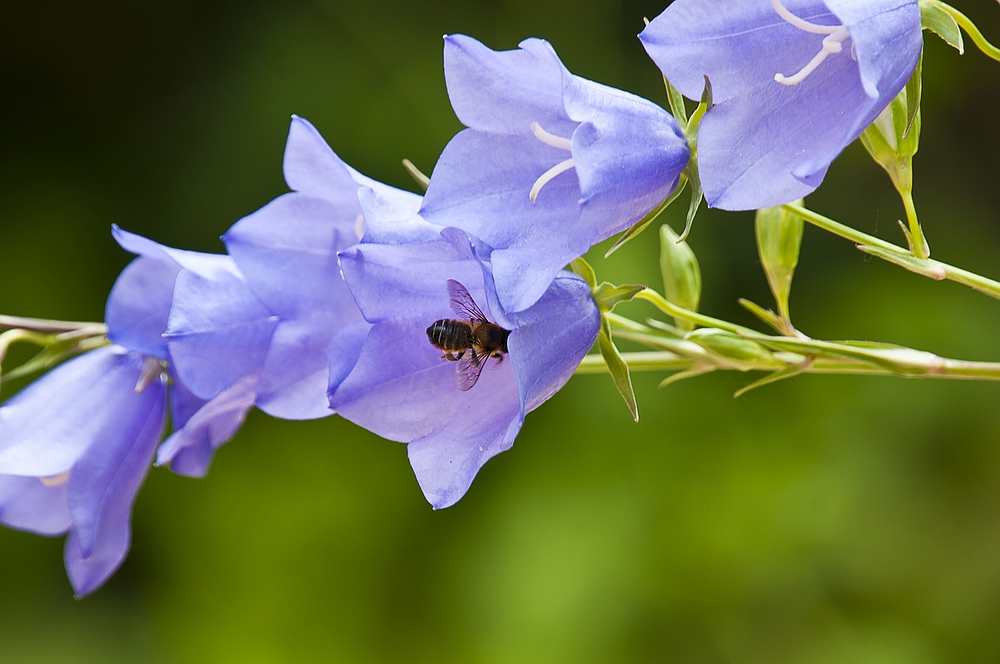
(454, 415)
(793, 84)
(550, 164)
(137, 317)
(258, 331)
(75, 445)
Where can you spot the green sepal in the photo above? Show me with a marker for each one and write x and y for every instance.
(644, 223)
(608, 296)
(913, 93)
(734, 351)
(697, 195)
(681, 274)
(582, 268)
(695, 121)
(966, 24)
(760, 312)
(677, 107)
(939, 21)
(779, 237)
(617, 367)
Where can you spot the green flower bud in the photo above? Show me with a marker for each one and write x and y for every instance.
(894, 137)
(779, 236)
(732, 350)
(681, 274)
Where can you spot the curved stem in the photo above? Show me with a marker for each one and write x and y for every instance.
(47, 326)
(674, 311)
(892, 253)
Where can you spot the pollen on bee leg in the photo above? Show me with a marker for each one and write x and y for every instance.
(832, 43)
(55, 480)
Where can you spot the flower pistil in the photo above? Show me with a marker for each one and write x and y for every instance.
(832, 43)
(561, 167)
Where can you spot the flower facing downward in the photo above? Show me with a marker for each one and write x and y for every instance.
(75, 446)
(401, 387)
(550, 164)
(793, 83)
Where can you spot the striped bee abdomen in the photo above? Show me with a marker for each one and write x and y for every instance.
(450, 335)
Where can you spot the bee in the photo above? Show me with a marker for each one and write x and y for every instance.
(470, 340)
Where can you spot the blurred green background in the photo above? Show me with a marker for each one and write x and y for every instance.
(825, 519)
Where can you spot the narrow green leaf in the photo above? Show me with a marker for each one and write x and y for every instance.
(939, 21)
(682, 375)
(618, 369)
(583, 269)
(760, 312)
(782, 374)
(644, 223)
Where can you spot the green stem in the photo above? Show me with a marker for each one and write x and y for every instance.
(48, 326)
(666, 361)
(892, 253)
(918, 243)
(674, 311)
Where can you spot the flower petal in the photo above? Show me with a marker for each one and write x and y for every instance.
(190, 448)
(551, 338)
(49, 425)
(28, 504)
(103, 483)
(505, 91)
(218, 331)
(628, 153)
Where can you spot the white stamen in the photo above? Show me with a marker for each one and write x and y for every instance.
(55, 480)
(551, 139)
(359, 226)
(151, 371)
(561, 167)
(832, 43)
(806, 26)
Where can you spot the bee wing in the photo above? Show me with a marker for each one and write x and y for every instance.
(468, 369)
(463, 305)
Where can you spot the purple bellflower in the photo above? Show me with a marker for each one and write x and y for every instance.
(550, 164)
(258, 331)
(75, 446)
(794, 82)
(387, 376)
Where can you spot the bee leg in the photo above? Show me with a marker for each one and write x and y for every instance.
(451, 357)
(499, 357)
